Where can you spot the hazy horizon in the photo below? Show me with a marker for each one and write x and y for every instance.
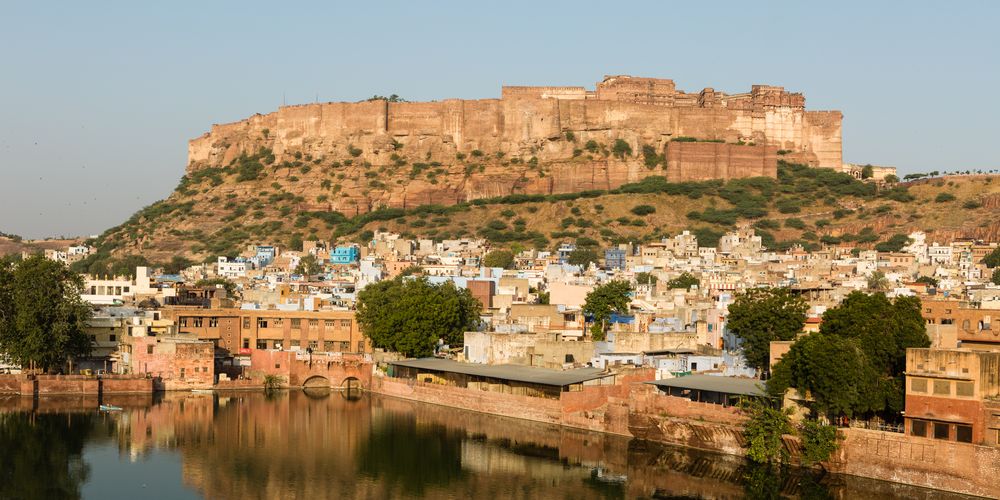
(100, 101)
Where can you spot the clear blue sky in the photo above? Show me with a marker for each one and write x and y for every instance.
(98, 101)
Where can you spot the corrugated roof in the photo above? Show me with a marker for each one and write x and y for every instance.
(727, 385)
(529, 374)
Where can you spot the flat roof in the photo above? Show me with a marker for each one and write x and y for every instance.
(727, 385)
(680, 350)
(529, 374)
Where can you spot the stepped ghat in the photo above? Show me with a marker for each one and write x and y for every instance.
(733, 135)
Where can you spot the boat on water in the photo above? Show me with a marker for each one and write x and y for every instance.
(110, 408)
(202, 391)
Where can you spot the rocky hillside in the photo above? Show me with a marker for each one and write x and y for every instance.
(219, 212)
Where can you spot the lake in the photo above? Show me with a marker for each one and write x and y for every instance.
(305, 445)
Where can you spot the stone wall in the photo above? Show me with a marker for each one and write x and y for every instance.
(59, 385)
(931, 463)
(317, 370)
(495, 403)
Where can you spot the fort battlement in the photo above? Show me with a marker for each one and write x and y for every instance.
(745, 132)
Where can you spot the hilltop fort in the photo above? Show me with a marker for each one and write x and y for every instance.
(532, 140)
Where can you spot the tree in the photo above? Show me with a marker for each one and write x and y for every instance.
(308, 266)
(499, 258)
(763, 431)
(409, 315)
(645, 278)
(927, 280)
(760, 315)
(891, 179)
(543, 298)
(42, 316)
(582, 257)
(867, 172)
(855, 364)
(603, 300)
(993, 259)
(686, 280)
(643, 209)
(819, 441)
(830, 369)
(229, 286)
(996, 277)
(878, 282)
(177, 264)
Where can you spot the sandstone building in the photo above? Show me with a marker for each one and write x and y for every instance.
(531, 140)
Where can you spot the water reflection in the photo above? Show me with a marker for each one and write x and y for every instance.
(323, 444)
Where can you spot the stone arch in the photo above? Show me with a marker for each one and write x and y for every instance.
(351, 383)
(316, 381)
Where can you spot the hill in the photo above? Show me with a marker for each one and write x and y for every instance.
(803, 205)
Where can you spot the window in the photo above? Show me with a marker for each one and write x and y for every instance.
(963, 433)
(313, 323)
(296, 343)
(246, 323)
(328, 323)
(918, 428)
(345, 323)
(964, 389)
(313, 344)
(918, 385)
(361, 346)
(965, 325)
(261, 322)
(246, 343)
(345, 346)
(296, 323)
(183, 322)
(940, 431)
(947, 321)
(942, 387)
(182, 374)
(112, 338)
(277, 322)
(213, 322)
(197, 322)
(261, 344)
(149, 349)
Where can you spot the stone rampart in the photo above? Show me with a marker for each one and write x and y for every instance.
(931, 463)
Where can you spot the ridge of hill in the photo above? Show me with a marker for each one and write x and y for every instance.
(216, 214)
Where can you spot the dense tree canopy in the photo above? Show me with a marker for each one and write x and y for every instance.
(645, 278)
(308, 266)
(855, 364)
(993, 259)
(499, 258)
(41, 314)
(409, 315)
(603, 300)
(760, 315)
(583, 257)
(229, 286)
(685, 280)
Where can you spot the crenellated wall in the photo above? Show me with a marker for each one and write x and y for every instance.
(533, 122)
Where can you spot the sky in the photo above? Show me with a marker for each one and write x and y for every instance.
(99, 99)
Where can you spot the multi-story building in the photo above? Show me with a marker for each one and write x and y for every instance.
(974, 325)
(240, 330)
(953, 394)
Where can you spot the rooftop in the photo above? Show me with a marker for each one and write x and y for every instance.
(727, 385)
(528, 374)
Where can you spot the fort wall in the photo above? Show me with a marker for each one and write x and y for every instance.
(551, 125)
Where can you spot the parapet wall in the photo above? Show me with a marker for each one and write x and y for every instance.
(533, 140)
